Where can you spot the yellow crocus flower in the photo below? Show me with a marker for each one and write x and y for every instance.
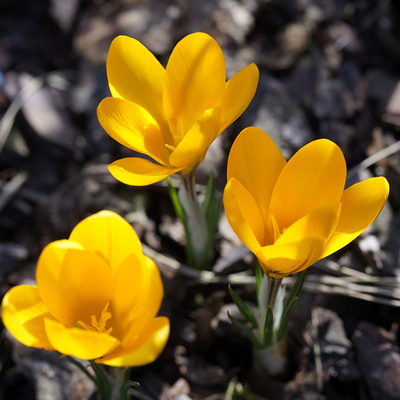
(96, 298)
(171, 115)
(291, 214)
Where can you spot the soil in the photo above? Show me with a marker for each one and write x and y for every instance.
(328, 68)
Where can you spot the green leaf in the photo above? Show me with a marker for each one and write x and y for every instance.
(259, 275)
(125, 389)
(208, 203)
(243, 308)
(269, 327)
(180, 213)
(213, 220)
(291, 302)
(102, 382)
(253, 341)
(176, 203)
(286, 318)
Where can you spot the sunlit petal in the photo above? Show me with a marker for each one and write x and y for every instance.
(239, 92)
(315, 175)
(139, 172)
(194, 80)
(190, 151)
(77, 342)
(361, 204)
(136, 75)
(141, 349)
(128, 285)
(109, 235)
(23, 314)
(322, 222)
(132, 126)
(151, 292)
(81, 287)
(256, 162)
(244, 215)
(281, 260)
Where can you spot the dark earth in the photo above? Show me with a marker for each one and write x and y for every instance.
(328, 68)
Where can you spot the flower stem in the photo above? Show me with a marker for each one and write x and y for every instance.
(197, 230)
(271, 358)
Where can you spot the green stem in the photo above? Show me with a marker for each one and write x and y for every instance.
(273, 287)
(196, 222)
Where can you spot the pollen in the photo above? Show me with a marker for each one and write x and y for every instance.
(99, 325)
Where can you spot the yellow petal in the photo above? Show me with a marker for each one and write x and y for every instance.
(315, 175)
(128, 282)
(278, 261)
(108, 234)
(256, 162)
(361, 204)
(194, 80)
(73, 283)
(133, 127)
(239, 92)
(84, 344)
(244, 215)
(321, 222)
(143, 349)
(191, 150)
(149, 298)
(23, 313)
(136, 75)
(139, 172)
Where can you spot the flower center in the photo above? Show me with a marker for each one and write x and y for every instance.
(99, 325)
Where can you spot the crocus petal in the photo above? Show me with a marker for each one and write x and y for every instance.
(278, 261)
(243, 215)
(322, 222)
(128, 282)
(78, 288)
(143, 349)
(256, 162)
(239, 92)
(80, 343)
(151, 292)
(194, 81)
(361, 204)
(108, 234)
(133, 127)
(191, 150)
(23, 314)
(139, 172)
(136, 75)
(315, 175)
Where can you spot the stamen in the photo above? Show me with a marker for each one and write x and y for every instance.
(170, 147)
(100, 325)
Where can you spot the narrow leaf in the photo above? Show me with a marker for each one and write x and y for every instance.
(286, 318)
(269, 327)
(243, 308)
(180, 213)
(259, 275)
(213, 220)
(290, 303)
(254, 343)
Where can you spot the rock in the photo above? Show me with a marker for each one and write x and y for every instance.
(45, 112)
(53, 376)
(335, 347)
(379, 359)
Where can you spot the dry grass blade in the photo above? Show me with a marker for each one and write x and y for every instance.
(347, 282)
